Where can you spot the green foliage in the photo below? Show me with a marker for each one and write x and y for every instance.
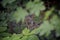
(26, 31)
(36, 0)
(5, 2)
(24, 38)
(2, 29)
(55, 21)
(13, 37)
(48, 13)
(45, 28)
(34, 7)
(4, 34)
(33, 37)
(19, 14)
(21, 37)
(16, 13)
(3, 19)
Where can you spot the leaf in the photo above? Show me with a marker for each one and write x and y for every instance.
(2, 29)
(30, 5)
(11, 7)
(16, 36)
(13, 37)
(35, 8)
(48, 13)
(30, 37)
(36, 0)
(45, 28)
(33, 37)
(5, 34)
(4, 2)
(24, 38)
(59, 12)
(6, 38)
(26, 31)
(35, 31)
(55, 21)
(19, 15)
